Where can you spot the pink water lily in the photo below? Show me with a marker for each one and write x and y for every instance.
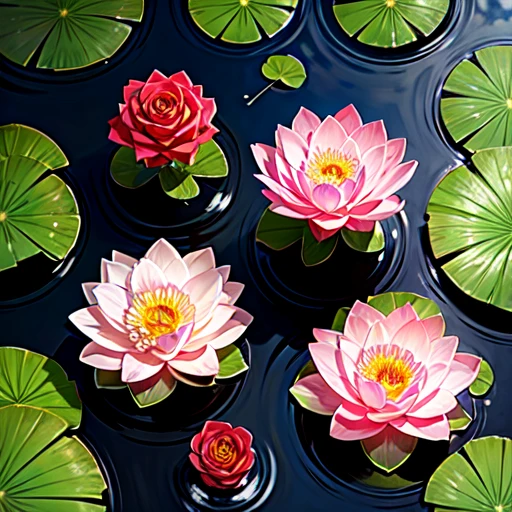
(398, 371)
(334, 173)
(161, 317)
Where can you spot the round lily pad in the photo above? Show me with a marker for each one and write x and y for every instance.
(390, 23)
(479, 479)
(470, 224)
(38, 213)
(71, 34)
(286, 68)
(27, 378)
(242, 21)
(43, 471)
(478, 111)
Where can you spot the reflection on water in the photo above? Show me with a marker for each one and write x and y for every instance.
(495, 10)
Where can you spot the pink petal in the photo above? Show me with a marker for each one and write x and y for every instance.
(114, 302)
(140, 366)
(87, 288)
(434, 429)
(168, 259)
(293, 212)
(352, 412)
(220, 317)
(330, 222)
(376, 336)
(115, 273)
(395, 152)
(119, 257)
(293, 146)
(265, 157)
(182, 78)
(386, 208)
(147, 276)
(360, 225)
(204, 291)
(326, 336)
(349, 119)
(201, 363)
(360, 320)
(434, 326)
(290, 198)
(224, 272)
(100, 357)
(374, 161)
(305, 123)
(329, 135)
(442, 350)
(372, 393)
(199, 261)
(398, 318)
(319, 233)
(394, 180)
(438, 403)
(392, 410)
(318, 396)
(370, 135)
(326, 197)
(414, 338)
(234, 290)
(347, 430)
(463, 372)
(171, 344)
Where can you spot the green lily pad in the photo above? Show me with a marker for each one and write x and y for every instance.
(241, 21)
(127, 172)
(389, 449)
(231, 362)
(390, 23)
(154, 390)
(315, 252)
(388, 302)
(105, 379)
(478, 112)
(279, 232)
(362, 241)
(340, 319)
(484, 380)
(177, 183)
(458, 418)
(71, 34)
(285, 68)
(471, 222)
(479, 485)
(43, 471)
(308, 369)
(27, 378)
(38, 213)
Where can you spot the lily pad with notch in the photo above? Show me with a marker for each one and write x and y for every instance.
(66, 34)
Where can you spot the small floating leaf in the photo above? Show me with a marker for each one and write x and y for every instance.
(241, 21)
(484, 381)
(315, 252)
(210, 162)
(286, 68)
(279, 232)
(471, 222)
(362, 241)
(71, 34)
(480, 102)
(390, 23)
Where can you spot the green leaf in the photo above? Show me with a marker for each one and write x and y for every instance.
(458, 418)
(127, 172)
(241, 22)
(482, 484)
(286, 68)
(390, 23)
(71, 34)
(231, 362)
(340, 319)
(153, 390)
(43, 471)
(210, 162)
(279, 232)
(314, 252)
(105, 379)
(388, 302)
(471, 222)
(38, 213)
(308, 369)
(480, 102)
(484, 380)
(389, 449)
(371, 241)
(178, 183)
(27, 378)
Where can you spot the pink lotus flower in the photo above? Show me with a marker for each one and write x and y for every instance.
(335, 173)
(398, 371)
(222, 454)
(161, 317)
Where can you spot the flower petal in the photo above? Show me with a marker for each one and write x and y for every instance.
(100, 357)
(463, 372)
(438, 403)
(398, 318)
(326, 197)
(305, 123)
(204, 291)
(349, 119)
(113, 301)
(115, 273)
(168, 259)
(329, 135)
(435, 326)
(347, 430)
(199, 261)
(414, 338)
(433, 429)
(360, 320)
(140, 366)
(293, 146)
(147, 276)
(201, 363)
(372, 393)
(315, 395)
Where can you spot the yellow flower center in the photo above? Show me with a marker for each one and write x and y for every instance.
(157, 313)
(2, 494)
(390, 3)
(332, 167)
(222, 450)
(393, 373)
(63, 13)
(509, 103)
(3, 216)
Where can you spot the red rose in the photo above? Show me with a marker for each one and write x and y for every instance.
(164, 119)
(222, 454)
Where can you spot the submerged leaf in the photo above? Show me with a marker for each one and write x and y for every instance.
(315, 252)
(38, 213)
(279, 232)
(70, 33)
(362, 241)
(241, 21)
(471, 222)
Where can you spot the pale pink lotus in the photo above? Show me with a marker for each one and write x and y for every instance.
(162, 316)
(334, 173)
(398, 371)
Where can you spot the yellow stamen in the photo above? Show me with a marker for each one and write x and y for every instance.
(390, 3)
(2, 494)
(3, 216)
(63, 13)
(156, 313)
(332, 167)
(509, 103)
(223, 450)
(393, 373)
(499, 508)
(244, 3)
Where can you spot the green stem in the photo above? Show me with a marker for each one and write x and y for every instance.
(249, 103)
